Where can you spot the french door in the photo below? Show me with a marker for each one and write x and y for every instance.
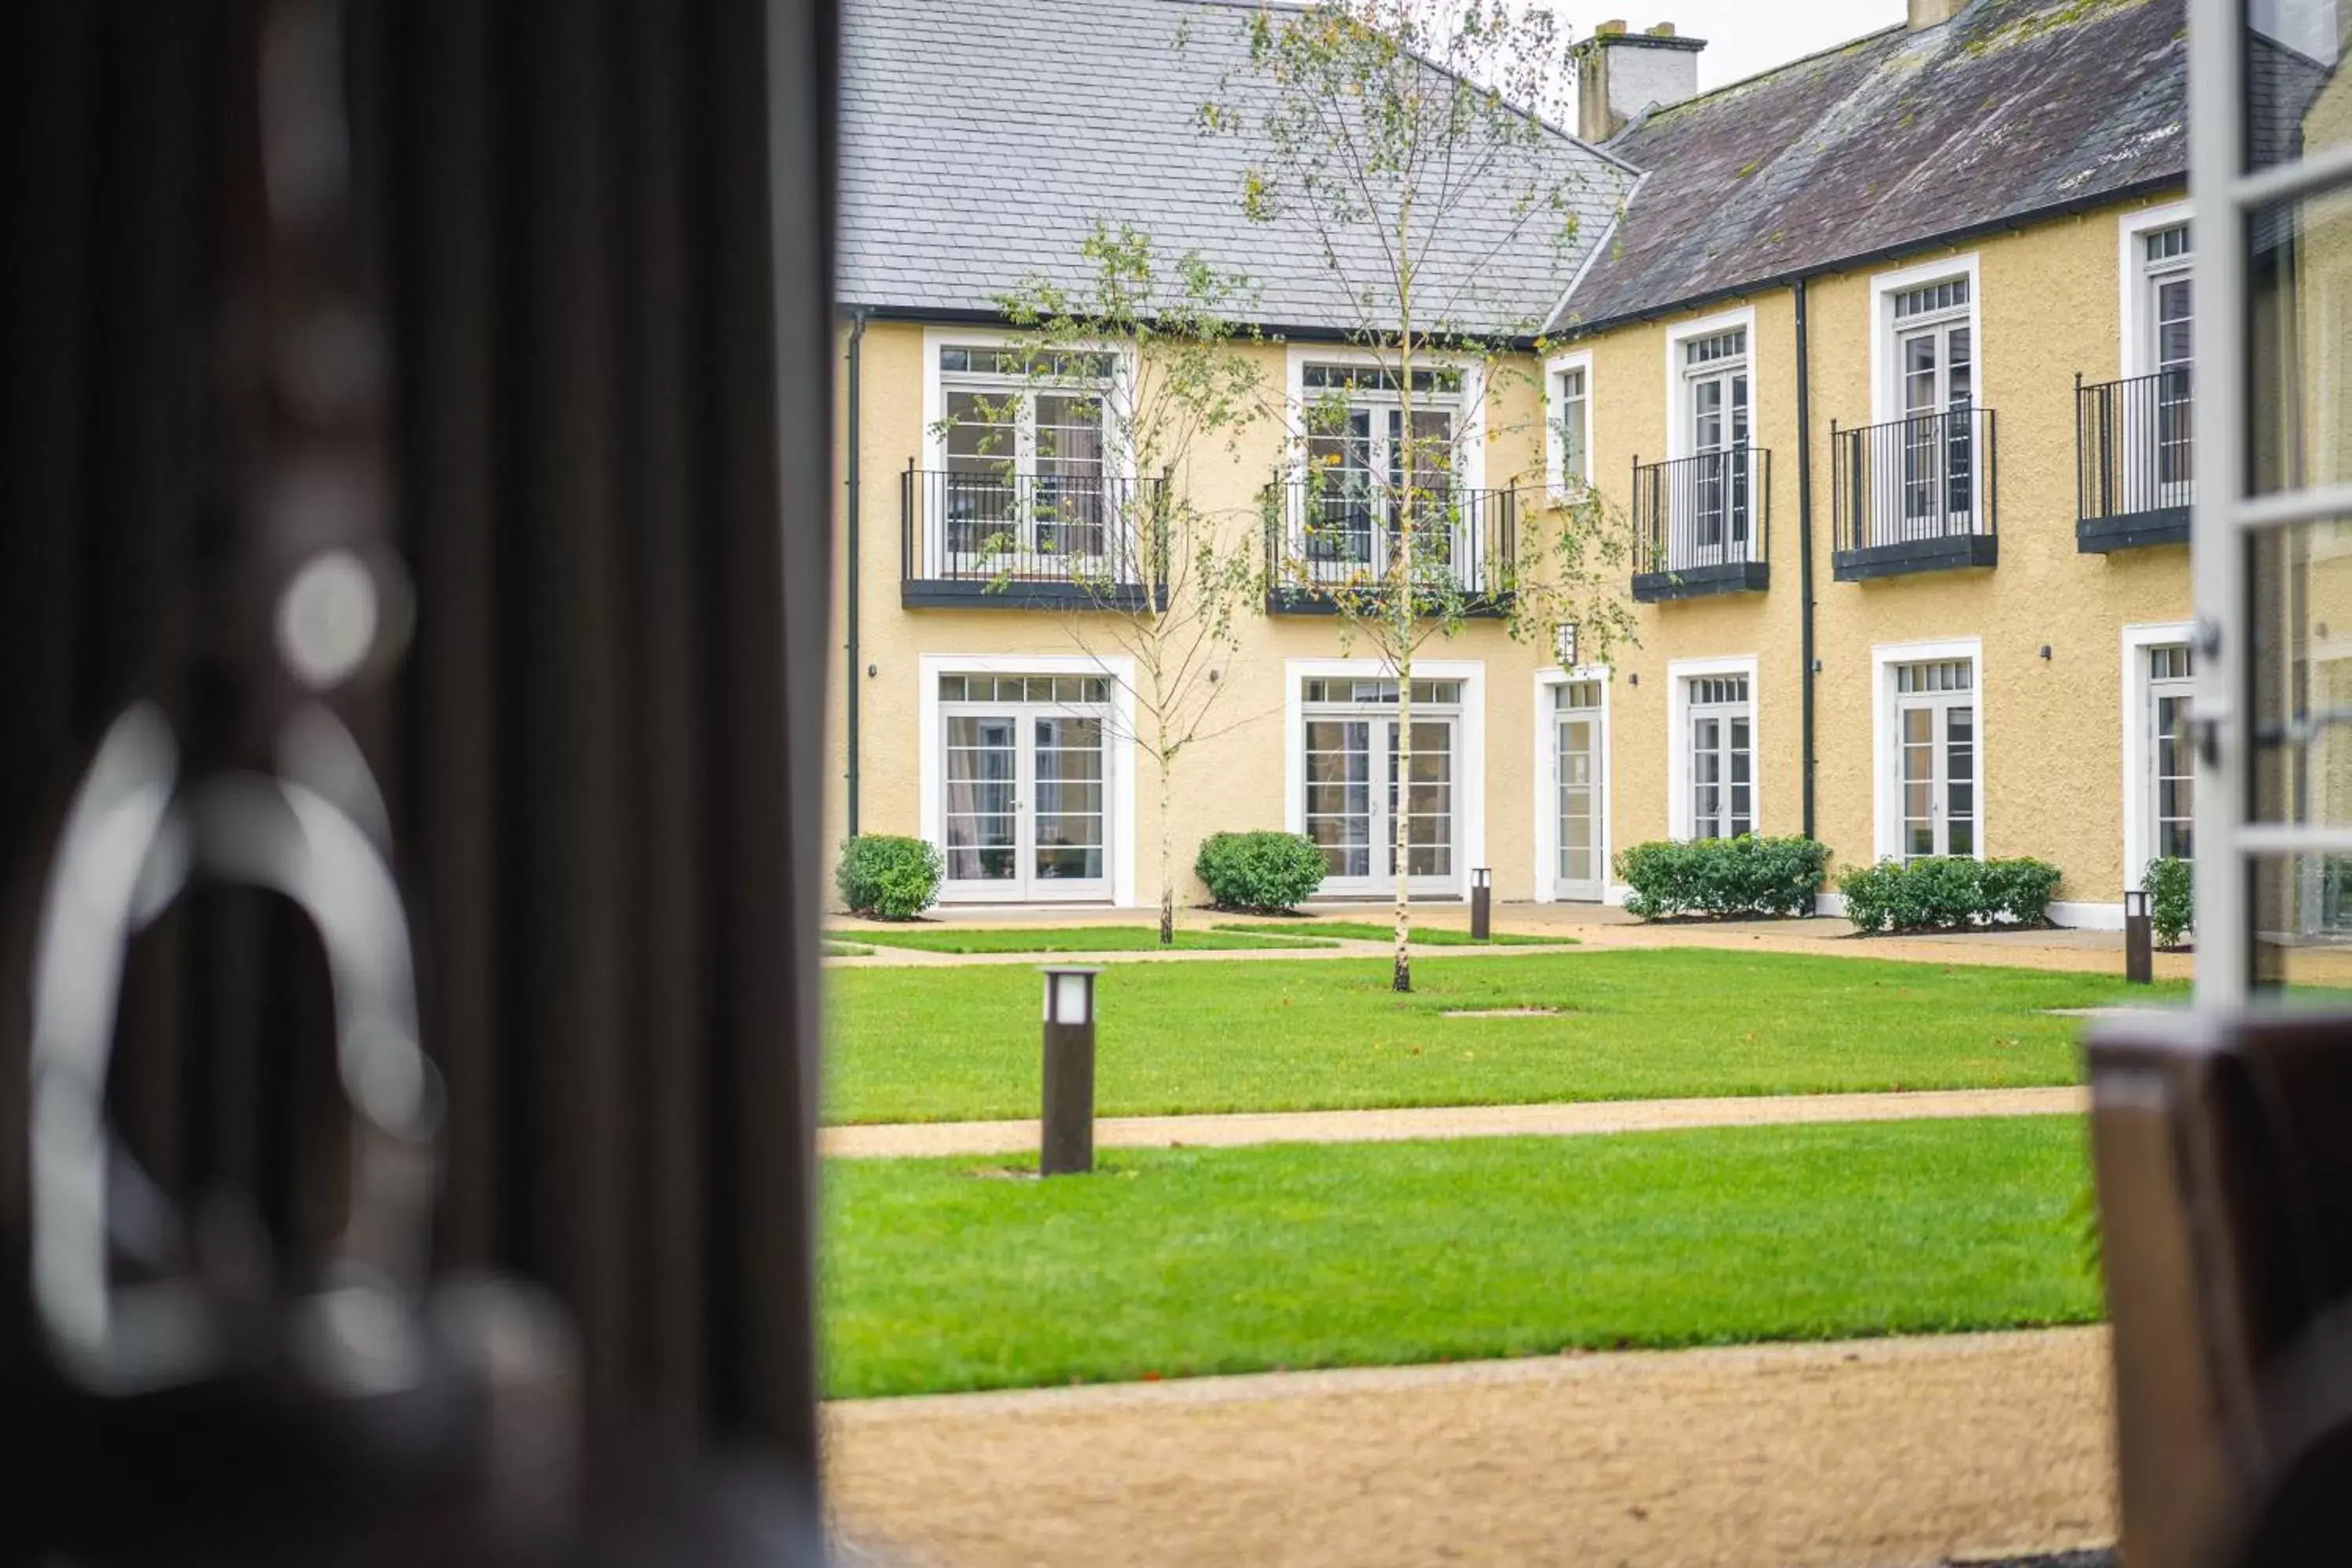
(1577, 744)
(1025, 805)
(1354, 793)
(1718, 415)
(1936, 759)
(1939, 454)
(1356, 461)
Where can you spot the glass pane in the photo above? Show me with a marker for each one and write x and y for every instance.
(980, 829)
(2303, 674)
(2299, 421)
(1067, 814)
(2293, 51)
(1340, 794)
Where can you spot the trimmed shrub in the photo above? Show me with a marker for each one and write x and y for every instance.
(888, 877)
(1948, 893)
(2171, 899)
(1724, 876)
(1260, 873)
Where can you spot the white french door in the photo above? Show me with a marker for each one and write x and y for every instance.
(1354, 795)
(1715, 389)
(1579, 741)
(1025, 804)
(1936, 759)
(1938, 369)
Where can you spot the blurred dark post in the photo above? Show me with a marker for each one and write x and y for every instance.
(1068, 1135)
(2223, 1153)
(1482, 904)
(2139, 939)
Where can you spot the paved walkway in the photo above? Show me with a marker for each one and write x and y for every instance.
(1597, 929)
(1567, 1121)
(1889, 1452)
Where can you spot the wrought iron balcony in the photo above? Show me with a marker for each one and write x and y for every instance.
(2134, 461)
(1914, 495)
(990, 539)
(1327, 539)
(1703, 525)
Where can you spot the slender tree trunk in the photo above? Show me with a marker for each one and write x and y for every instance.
(1167, 862)
(1400, 526)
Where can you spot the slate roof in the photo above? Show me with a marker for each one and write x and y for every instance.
(982, 140)
(2015, 107)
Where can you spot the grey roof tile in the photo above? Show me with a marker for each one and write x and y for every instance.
(2016, 106)
(983, 139)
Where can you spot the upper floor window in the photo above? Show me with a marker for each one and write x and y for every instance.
(1572, 428)
(1011, 413)
(2166, 303)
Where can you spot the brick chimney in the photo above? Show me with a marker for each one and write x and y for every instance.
(1620, 75)
(1935, 13)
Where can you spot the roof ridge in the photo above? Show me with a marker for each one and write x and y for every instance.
(1662, 110)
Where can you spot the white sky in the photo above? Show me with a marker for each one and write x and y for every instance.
(1743, 37)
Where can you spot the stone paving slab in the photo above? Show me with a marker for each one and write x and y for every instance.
(1561, 1120)
(1890, 1453)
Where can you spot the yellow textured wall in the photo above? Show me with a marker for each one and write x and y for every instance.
(1235, 779)
(2051, 730)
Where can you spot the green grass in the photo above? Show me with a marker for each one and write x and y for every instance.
(846, 950)
(1076, 939)
(1422, 935)
(1192, 1262)
(938, 1044)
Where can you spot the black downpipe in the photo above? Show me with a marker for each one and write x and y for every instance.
(1804, 547)
(856, 469)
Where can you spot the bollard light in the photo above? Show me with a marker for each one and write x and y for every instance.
(1482, 903)
(1066, 1132)
(2139, 939)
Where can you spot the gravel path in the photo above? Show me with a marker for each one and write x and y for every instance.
(910, 1139)
(1885, 1453)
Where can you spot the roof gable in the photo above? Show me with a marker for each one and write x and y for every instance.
(2015, 107)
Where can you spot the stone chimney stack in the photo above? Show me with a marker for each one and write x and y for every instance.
(1935, 13)
(1620, 75)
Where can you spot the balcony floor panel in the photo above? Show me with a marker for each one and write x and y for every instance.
(1703, 582)
(1942, 552)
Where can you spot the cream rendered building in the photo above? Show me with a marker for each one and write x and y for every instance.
(1881, 355)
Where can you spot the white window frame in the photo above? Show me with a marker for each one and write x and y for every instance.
(1565, 486)
(2139, 763)
(1470, 426)
(1118, 744)
(1547, 794)
(1118, 463)
(1886, 363)
(1470, 744)
(1885, 797)
(2135, 291)
(1678, 377)
(1680, 818)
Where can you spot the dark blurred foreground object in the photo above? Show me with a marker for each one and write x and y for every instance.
(479, 310)
(2224, 1161)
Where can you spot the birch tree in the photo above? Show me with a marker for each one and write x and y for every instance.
(1402, 137)
(1149, 344)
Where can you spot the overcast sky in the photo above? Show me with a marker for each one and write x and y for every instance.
(1743, 37)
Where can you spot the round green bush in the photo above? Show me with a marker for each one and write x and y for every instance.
(1723, 877)
(1948, 893)
(2171, 899)
(886, 876)
(1260, 873)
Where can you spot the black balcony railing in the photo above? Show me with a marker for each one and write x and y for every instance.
(1914, 495)
(990, 539)
(1703, 524)
(1326, 538)
(2135, 460)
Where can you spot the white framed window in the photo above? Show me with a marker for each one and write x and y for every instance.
(1347, 786)
(1568, 425)
(1711, 479)
(1021, 464)
(1572, 783)
(1928, 748)
(1347, 417)
(1711, 774)
(1026, 775)
(2158, 762)
(2154, 262)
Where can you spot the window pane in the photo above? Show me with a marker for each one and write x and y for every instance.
(2294, 50)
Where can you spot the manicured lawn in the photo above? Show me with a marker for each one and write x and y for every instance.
(1422, 935)
(1075, 939)
(846, 950)
(933, 1045)
(1191, 1262)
